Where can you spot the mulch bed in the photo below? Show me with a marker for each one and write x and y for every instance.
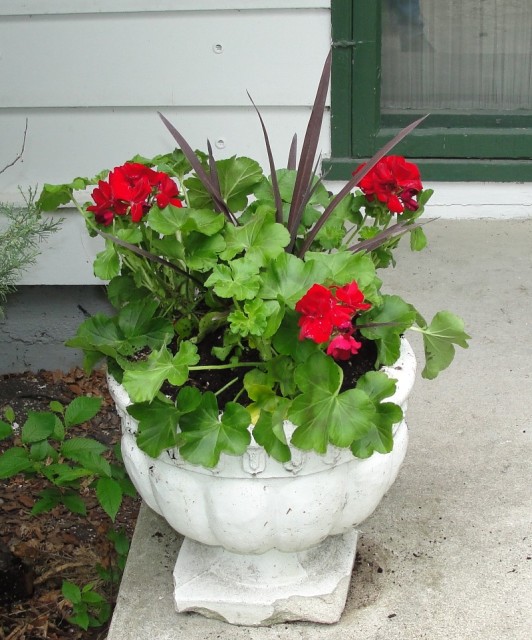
(57, 545)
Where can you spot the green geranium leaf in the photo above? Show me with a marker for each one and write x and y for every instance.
(144, 379)
(377, 385)
(391, 319)
(331, 234)
(188, 399)
(439, 339)
(133, 318)
(275, 314)
(286, 341)
(251, 320)
(259, 387)
(261, 238)
(269, 431)
(230, 341)
(122, 290)
(157, 425)
(133, 235)
(423, 197)
(380, 437)
(239, 280)
(286, 179)
(140, 328)
(174, 163)
(282, 368)
(54, 195)
(171, 219)
(165, 221)
(206, 436)
(344, 267)
(288, 278)
(418, 239)
(99, 333)
(91, 359)
(203, 221)
(322, 413)
(107, 263)
(238, 177)
(132, 329)
(171, 247)
(201, 252)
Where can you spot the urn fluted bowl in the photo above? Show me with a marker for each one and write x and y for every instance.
(251, 504)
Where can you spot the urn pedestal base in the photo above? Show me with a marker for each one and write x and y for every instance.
(269, 588)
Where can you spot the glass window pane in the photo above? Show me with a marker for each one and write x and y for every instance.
(457, 55)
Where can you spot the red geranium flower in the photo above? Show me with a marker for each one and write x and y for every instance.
(320, 314)
(166, 190)
(343, 346)
(132, 188)
(393, 181)
(327, 312)
(352, 297)
(104, 207)
(130, 184)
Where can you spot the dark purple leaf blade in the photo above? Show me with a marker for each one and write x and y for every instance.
(273, 173)
(308, 152)
(292, 154)
(216, 182)
(395, 230)
(197, 166)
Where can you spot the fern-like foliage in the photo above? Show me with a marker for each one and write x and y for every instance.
(22, 229)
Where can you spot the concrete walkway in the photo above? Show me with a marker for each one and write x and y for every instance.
(448, 553)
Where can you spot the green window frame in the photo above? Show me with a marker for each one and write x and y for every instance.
(453, 147)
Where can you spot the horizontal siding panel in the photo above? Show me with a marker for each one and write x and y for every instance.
(66, 257)
(64, 143)
(38, 7)
(163, 59)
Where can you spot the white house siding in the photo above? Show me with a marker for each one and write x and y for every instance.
(90, 76)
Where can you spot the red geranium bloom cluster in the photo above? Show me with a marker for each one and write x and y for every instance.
(132, 188)
(327, 314)
(393, 181)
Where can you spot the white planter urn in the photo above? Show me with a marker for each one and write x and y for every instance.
(267, 542)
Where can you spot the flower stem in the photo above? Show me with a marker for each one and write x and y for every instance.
(217, 393)
(205, 367)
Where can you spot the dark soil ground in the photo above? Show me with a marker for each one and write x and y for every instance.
(57, 545)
